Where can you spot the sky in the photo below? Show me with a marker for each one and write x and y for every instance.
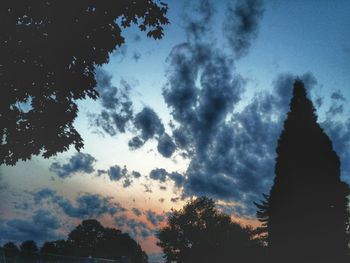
(198, 112)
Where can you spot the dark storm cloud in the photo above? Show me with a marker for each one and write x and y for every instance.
(117, 173)
(232, 154)
(86, 205)
(135, 143)
(79, 162)
(117, 109)
(159, 174)
(200, 111)
(148, 123)
(154, 218)
(202, 93)
(40, 227)
(242, 23)
(117, 116)
(166, 147)
(178, 179)
(43, 194)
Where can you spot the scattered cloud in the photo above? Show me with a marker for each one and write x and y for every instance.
(161, 175)
(85, 205)
(117, 173)
(166, 146)
(242, 23)
(117, 107)
(79, 162)
(136, 229)
(338, 95)
(148, 124)
(136, 211)
(154, 218)
(42, 226)
(158, 174)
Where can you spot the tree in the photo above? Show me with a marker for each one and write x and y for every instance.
(90, 238)
(29, 247)
(306, 214)
(200, 233)
(11, 250)
(49, 50)
(54, 247)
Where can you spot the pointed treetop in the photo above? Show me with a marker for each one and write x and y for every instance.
(299, 89)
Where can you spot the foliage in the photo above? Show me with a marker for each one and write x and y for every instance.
(49, 50)
(306, 214)
(29, 246)
(54, 247)
(201, 233)
(90, 238)
(11, 250)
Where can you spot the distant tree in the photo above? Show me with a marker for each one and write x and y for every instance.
(11, 250)
(201, 233)
(29, 247)
(90, 238)
(54, 247)
(49, 50)
(306, 215)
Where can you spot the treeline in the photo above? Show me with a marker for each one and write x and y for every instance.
(89, 239)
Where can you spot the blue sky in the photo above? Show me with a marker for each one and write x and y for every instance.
(234, 102)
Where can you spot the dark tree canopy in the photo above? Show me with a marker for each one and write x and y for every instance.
(201, 233)
(11, 250)
(54, 247)
(29, 246)
(306, 213)
(90, 238)
(49, 50)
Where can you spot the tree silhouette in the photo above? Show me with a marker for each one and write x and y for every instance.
(306, 213)
(29, 247)
(54, 247)
(90, 238)
(200, 233)
(11, 250)
(49, 50)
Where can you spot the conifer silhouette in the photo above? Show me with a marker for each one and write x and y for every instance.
(306, 213)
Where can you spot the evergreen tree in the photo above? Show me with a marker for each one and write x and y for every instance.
(306, 213)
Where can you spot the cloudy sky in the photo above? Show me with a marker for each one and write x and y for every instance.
(195, 113)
